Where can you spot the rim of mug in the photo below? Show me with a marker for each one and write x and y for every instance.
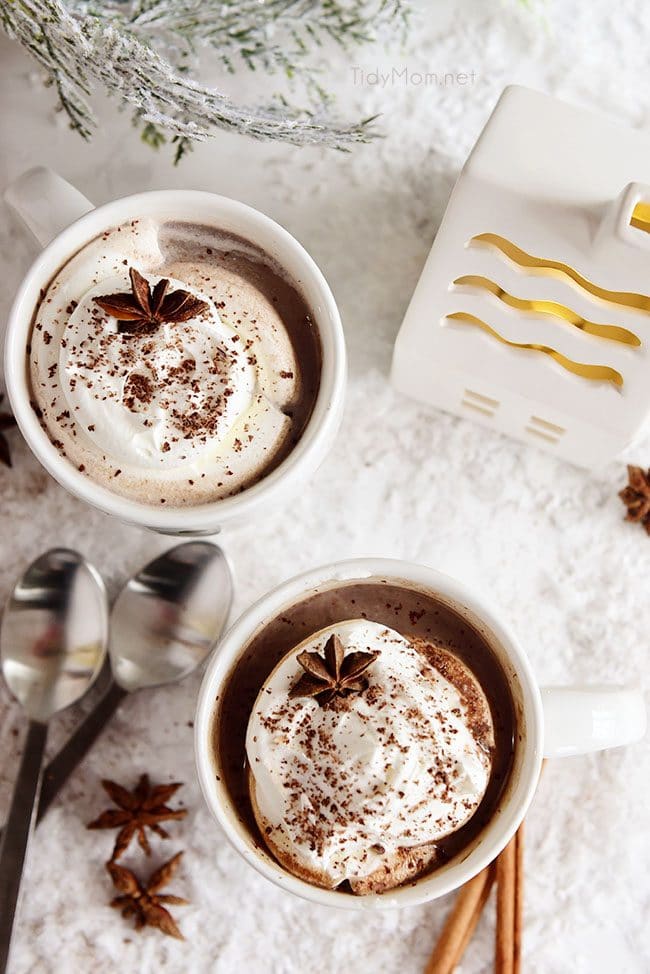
(494, 837)
(321, 426)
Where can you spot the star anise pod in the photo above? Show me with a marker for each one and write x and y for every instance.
(143, 901)
(144, 807)
(6, 422)
(143, 310)
(636, 496)
(333, 674)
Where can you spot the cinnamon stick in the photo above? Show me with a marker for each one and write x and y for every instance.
(461, 923)
(476, 916)
(519, 898)
(506, 868)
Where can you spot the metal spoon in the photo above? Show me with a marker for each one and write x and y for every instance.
(52, 645)
(164, 623)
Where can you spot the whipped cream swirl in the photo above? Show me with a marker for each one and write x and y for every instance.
(195, 410)
(156, 400)
(342, 791)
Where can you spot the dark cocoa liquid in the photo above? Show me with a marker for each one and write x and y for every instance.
(411, 612)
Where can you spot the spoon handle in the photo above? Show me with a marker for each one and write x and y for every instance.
(77, 746)
(18, 829)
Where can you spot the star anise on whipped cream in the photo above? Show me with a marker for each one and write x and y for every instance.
(636, 496)
(332, 675)
(144, 309)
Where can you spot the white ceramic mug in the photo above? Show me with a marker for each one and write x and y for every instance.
(63, 221)
(550, 723)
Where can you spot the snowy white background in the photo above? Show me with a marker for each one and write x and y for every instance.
(544, 540)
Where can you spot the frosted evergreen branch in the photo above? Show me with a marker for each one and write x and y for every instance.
(276, 35)
(83, 44)
(243, 25)
(281, 35)
(55, 39)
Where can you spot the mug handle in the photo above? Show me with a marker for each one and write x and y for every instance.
(582, 719)
(45, 203)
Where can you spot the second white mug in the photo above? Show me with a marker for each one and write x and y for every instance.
(550, 722)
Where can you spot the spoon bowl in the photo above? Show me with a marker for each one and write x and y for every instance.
(54, 633)
(53, 643)
(164, 624)
(166, 619)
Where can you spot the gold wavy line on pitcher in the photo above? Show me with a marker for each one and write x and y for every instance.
(554, 268)
(611, 332)
(596, 373)
(641, 217)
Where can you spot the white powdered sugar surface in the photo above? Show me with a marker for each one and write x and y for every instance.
(546, 542)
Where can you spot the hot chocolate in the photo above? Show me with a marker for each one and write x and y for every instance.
(366, 735)
(173, 363)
